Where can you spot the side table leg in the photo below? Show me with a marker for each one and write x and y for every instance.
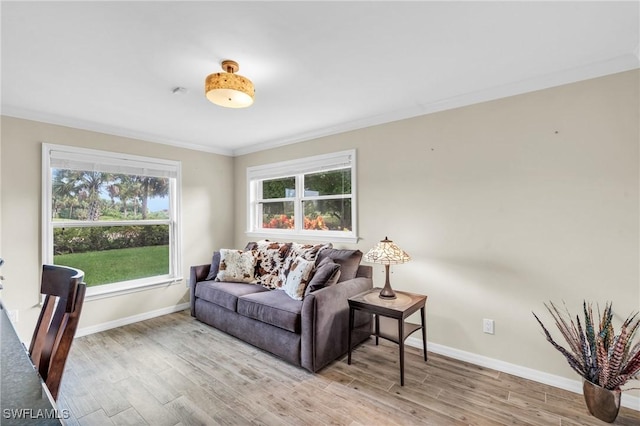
(424, 332)
(401, 344)
(377, 325)
(351, 314)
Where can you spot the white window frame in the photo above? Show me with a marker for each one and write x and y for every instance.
(107, 161)
(298, 168)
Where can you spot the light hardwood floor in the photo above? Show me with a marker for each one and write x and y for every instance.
(174, 370)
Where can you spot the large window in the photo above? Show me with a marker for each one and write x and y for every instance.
(312, 198)
(114, 216)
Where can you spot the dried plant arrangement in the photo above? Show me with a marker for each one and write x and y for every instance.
(598, 354)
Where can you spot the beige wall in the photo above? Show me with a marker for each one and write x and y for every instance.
(206, 214)
(502, 205)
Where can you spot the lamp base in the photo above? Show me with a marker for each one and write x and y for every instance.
(387, 293)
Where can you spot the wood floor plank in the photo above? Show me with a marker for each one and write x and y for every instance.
(365, 409)
(174, 370)
(152, 411)
(97, 418)
(188, 412)
(129, 417)
(436, 410)
(157, 386)
(110, 398)
(76, 396)
(318, 403)
(265, 419)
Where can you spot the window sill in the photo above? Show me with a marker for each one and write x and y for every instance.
(299, 236)
(127, 287)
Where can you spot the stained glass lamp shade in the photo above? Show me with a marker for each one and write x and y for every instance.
(387, 253)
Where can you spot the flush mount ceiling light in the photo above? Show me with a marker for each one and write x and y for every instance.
(228, 89)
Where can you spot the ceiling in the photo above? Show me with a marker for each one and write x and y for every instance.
(319, 68)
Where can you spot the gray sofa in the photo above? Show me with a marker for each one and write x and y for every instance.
(309, 333)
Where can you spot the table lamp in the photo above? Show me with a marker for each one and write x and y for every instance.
(387, 253)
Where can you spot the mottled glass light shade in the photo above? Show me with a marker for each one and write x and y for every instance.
(387, 253)
(228, 89)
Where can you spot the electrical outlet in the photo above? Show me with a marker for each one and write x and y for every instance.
(488, 326)
(13, 316)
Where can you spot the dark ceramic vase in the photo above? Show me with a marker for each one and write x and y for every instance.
(602, 403)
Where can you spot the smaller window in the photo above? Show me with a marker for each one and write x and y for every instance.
(313, 198)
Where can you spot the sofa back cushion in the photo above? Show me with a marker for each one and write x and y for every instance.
(349, 260)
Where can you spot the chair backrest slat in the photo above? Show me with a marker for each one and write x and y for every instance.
(56, 327)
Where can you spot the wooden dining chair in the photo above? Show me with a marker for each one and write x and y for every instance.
(56, 327)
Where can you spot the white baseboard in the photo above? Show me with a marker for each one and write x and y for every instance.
(130, 320)
(517, 370)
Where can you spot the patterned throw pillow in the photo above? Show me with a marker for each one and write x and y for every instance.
(270, 261)
(236, 266)
(298, 278)
(305, 251)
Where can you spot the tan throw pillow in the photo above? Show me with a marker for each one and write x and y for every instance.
(298, 277)
(236, 266)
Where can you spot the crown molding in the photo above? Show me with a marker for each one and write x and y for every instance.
(93, 126)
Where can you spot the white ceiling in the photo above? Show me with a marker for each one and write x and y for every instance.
(318, 67)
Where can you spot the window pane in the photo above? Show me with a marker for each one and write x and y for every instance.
(328, 215)
(279, 188)
(278, 215)
(89, 195)
(328, 183)
(112, 254)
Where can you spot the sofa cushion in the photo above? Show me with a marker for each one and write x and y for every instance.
(215, 264)
(270, 258)
(226, 294)
(349, 260)
(236, 266)
(272, 307)
(327, 273)
(298, 277)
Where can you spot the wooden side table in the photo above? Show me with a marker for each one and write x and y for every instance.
(399, 309)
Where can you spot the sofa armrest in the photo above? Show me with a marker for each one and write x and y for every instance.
(196, 274)
(325, 322)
